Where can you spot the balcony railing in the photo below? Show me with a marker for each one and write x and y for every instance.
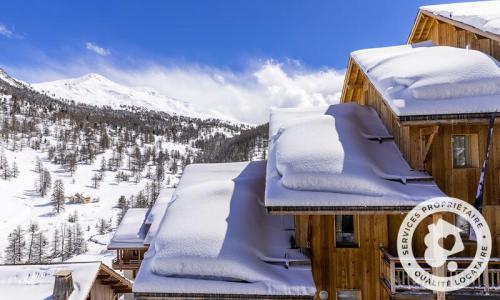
(126, 264)
(396, 280)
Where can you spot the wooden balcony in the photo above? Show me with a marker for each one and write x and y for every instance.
(399, 284)
(126, 264)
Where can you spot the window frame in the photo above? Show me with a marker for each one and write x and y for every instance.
(472, 151)
(355, 243)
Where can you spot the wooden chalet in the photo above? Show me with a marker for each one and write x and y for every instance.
(128, 241)
(73, 281)
(351, 238)
(428, 142)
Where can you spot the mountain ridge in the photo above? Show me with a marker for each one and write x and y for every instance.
(96, 89)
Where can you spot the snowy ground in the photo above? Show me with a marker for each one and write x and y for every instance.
(21, 203)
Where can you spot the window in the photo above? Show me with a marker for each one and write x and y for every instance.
(462, 223)
(345, 233)
(465, 151)
(348, 295)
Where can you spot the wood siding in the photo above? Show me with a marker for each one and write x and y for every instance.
(100, 291)
(337, 269)
(445, 32)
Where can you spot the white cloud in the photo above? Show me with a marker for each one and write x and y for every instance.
(97, 49)
(8, 33)
(246, 96)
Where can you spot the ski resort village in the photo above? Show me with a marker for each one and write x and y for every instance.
(390, 191)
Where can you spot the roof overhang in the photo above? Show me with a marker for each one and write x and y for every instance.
(146, 296)
(425, 20)
(338, 210)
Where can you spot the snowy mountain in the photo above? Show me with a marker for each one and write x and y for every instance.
(95, 89)
(101, 154)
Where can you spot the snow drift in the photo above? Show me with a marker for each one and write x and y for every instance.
(424, 79)
(216, 230)
(331, 157)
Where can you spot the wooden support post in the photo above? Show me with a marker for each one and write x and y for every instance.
(425, 146)
(440, 271)
(392, 271)
(486, 281)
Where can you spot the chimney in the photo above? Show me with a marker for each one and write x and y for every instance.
(63, 285)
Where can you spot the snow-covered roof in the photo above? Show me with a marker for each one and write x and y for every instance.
(37, 281)
(424, 80)
(156, 213)
(216, 237)
(483, 15)
(332, 159)
(132, 231)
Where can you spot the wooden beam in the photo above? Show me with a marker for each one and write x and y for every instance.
(464, 26)
(103, 276)
(122, 290)
(109, 282)
(426, 146)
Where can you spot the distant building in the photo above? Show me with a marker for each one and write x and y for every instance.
(72, 281)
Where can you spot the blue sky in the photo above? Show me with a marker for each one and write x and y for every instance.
(218, 33)
(249, 44)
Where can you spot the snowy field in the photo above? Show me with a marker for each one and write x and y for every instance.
(21, 203)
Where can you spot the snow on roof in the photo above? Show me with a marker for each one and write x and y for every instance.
(37, 281)
(332, 157)
(483, 15)
(156, 213)
(217, 238)
(132, 231)
(423, 79)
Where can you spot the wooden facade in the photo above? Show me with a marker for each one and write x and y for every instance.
(446, 32)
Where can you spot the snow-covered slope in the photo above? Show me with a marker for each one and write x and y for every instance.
(7, 78)
(95, 89)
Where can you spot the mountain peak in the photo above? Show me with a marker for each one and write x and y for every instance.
(93, 76)
(95, 89)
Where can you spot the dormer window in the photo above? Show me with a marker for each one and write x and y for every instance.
(465, 152)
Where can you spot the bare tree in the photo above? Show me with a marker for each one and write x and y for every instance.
(58, 196)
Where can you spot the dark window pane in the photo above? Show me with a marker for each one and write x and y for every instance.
(344, 229)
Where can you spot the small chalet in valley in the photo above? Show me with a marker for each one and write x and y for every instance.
(65, 281)
(319, 218)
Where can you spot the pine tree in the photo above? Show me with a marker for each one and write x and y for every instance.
(80, 244)
(102, 169)
(123, 207)
(15, 170)
(40, 248)
(68, 249)
(4, 168)
(33, 231)
(16, 248)
(57, 199)
(56, 243)
(38, 165)
(103, 226)
(44, 182)
(71, 163)
(95, 181)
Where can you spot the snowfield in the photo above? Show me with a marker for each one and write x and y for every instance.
(21, 203)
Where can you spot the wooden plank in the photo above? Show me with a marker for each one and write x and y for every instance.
(426, 147)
